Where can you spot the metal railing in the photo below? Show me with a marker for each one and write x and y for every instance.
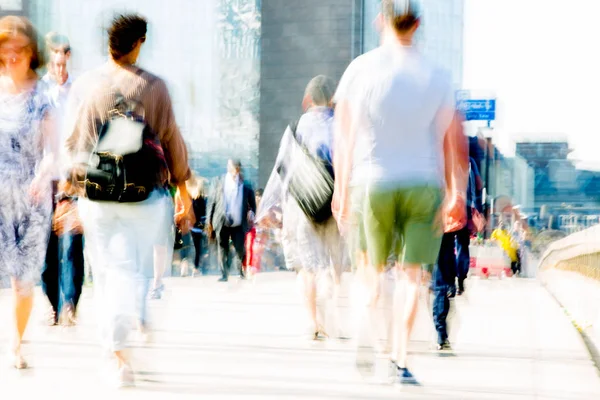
(578, 252)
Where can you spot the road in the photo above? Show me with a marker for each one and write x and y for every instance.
(244, 340)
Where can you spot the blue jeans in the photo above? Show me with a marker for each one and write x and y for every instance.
(120, 239)
(71, 269)
(444, 286)
(63, 275)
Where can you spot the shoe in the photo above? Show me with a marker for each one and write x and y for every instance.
(365, 360)
(156, 293)
(444, 346)
(451, 293)
(125, 377)
(222, 279)
(51, 317)
(67, 316)
(16, 361)
(461, 288)
(404, 376)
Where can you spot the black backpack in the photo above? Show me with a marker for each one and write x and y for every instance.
(128, 159)
(310, 182)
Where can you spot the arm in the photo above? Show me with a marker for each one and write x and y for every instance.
(344, 137)
(456, 169)
(48, 164)
(251, 200)
(211, 205)
(162, 121)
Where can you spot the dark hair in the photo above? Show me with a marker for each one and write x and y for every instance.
(11, 25)
(124, 33)
(236, 163)
(402, 21)
(259, 192)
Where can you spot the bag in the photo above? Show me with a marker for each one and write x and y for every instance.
(310, 182)
(477, 222)
(127, 161)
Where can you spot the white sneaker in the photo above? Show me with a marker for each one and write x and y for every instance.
(125, 377)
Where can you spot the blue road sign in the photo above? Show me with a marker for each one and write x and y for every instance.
(480, 115)
(477, 110)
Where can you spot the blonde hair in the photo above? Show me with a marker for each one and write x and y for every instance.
(195, 186)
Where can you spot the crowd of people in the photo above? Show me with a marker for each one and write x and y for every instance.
(376, 170)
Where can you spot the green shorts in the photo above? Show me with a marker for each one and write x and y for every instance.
(357, 242)
(402, 218)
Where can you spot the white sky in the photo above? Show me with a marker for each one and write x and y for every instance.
(542, 60)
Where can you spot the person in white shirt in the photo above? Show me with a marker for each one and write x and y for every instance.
(62, 279)
(394, 110)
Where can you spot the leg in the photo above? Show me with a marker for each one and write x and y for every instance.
(67, 286)
(238, 237)
(310, 292)
(197, 238)
(413, 276)
(444, 286)
(23, 303)
(441, 306)
(78, 267)
(463, 240)
(417, 211)
(223, 252)
(51, 276)
(376, 224)
(160, 262)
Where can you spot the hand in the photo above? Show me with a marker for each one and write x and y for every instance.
(455, 214)
(36, 190)
(183, 204)
(339, 209)
(209, 230)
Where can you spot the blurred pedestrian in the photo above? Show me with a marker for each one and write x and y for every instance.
(312, 241)
(396, 120)
(126, 148)
(28, 155)
(198, 195)
(62, 279)
(229, 209)
(253, 247)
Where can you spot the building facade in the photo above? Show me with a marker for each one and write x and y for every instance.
(237, 69)
(440, 36)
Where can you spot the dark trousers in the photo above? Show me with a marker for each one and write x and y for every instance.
(198, 238)
(237, 235)
(444, 286)
(463, 240)
(62, 279)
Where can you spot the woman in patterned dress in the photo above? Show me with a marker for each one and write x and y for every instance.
(25, 170)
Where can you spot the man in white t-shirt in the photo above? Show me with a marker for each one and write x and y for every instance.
(393, 112)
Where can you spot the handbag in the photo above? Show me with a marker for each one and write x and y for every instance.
(310, 180)
(477, 222)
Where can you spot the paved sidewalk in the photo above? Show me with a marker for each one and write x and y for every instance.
(245, 341)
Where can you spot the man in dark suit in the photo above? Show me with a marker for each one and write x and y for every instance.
(230, 204)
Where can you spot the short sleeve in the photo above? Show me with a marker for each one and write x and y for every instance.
(447, 107)
(347, 83)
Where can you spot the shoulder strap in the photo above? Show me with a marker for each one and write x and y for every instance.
(137, 98)
(293, 126)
